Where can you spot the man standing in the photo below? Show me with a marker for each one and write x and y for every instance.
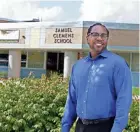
(100, 88)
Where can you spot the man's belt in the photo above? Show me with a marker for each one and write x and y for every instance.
(96, 121)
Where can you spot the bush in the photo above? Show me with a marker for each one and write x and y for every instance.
(133, 123)
(32, 105)
(37, 105)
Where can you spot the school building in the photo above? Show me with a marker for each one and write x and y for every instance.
(39, 47)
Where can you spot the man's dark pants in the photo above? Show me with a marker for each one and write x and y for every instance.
(104, 126)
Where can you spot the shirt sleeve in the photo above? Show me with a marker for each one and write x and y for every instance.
(123, 87)
(70, 107)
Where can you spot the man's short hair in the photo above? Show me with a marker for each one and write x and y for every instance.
(90, 28)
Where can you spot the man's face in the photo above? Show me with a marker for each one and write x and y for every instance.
(97, 43)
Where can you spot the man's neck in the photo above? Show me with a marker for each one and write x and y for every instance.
(94, 54)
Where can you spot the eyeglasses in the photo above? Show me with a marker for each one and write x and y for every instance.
(96, 35)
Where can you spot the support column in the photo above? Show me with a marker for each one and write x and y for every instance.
(14, 64)
(70, 58)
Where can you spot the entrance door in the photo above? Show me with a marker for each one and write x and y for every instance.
(55, 62)
(61, 62)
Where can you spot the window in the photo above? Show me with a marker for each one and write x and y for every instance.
(23, 60)
(126, 56)
(36, 59)
(3, 59)
(82, 54)
(135, 62)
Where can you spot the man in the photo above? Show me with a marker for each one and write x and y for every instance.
(100, 88)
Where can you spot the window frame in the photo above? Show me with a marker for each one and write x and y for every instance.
(4, 59)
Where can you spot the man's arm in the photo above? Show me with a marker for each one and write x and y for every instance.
(123, 87)
(70, 107)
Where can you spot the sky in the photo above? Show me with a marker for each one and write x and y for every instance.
(123, 11)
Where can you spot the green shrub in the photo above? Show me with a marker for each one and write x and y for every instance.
(136, 91)
(133, 123)
(37, 105)
(32, 105)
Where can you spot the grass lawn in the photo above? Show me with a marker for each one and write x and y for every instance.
(135, 91)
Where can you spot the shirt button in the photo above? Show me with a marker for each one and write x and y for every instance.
(86, 91)
(82, 112)
(84, 101)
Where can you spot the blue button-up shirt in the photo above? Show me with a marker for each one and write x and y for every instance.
(99, 88)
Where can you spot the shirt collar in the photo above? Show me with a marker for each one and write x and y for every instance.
(104, 53)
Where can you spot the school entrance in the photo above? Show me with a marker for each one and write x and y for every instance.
(55, 62)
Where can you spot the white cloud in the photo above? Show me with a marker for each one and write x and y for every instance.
(125, 11)
(27, 10)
